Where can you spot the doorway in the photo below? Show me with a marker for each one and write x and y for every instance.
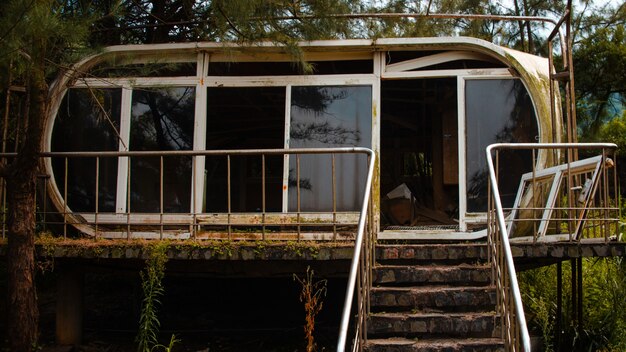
(419, 154)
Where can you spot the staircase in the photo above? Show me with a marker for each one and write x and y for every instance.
(433, 297)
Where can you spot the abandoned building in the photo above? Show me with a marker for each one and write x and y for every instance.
(422, 167)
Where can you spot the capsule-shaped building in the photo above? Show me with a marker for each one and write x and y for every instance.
(426, 107)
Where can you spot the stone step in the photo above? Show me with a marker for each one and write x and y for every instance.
(462, 274)
(435, 345)
(452, 252)
(429, 299)
(433, 325)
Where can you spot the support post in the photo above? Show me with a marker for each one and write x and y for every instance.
(579, 305)
(559, 307)
(574, 290)
(69, 307)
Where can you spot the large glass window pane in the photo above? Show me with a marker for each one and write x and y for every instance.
(88, 120)
(326, 117)
(161, 119)
(497, 111)
(244, 118)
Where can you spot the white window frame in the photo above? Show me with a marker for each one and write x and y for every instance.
(202, 81)
(289, 82)
(466, 218)
(557, 175)
(396, 72)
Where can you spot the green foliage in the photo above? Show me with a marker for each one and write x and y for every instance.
(152, 286)
(169, 347)
(614, 131)
(604, 308)
(44, 32)
(600, 80)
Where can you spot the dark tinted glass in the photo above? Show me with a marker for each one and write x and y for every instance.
(88, 120)
(161, 119)
(171, 69)
(497, 111)
(244, 118)
(325, 117)
(289, 68)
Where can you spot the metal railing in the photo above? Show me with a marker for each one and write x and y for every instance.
(569, 194)
(278, 212)
(360, 277)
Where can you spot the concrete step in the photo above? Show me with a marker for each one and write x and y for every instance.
(434, 345)
(462, 274)
(433, 299)
(431, 325)
(450, 252)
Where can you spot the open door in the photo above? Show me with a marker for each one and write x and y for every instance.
(419, 154)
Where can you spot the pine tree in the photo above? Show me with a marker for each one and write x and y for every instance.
(35, 35)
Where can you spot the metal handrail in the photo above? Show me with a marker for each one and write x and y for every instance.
(104, 154)
(508, 255)
(354, 266)
(506, 247)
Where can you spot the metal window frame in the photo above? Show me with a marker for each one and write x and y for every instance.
(556, 173)
(466, 217)
(202, 81)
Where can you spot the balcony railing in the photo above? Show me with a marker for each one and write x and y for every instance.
(257, 194)
(571, 200)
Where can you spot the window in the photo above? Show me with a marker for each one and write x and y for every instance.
(326, 117)
(244, 118)
(88, 120)
(497, 111)
(161, 119)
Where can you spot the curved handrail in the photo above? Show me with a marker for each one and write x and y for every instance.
(354, 266)
(508, 255)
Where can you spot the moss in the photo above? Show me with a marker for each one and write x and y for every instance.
(302, 248)
(49, 247)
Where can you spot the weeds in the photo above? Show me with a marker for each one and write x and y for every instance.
(604, 308)
(169, 347)
(311, 295)
(152, 286)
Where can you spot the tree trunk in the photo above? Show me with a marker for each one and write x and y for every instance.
(23, 312)
(520, 24)
(531, 44)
